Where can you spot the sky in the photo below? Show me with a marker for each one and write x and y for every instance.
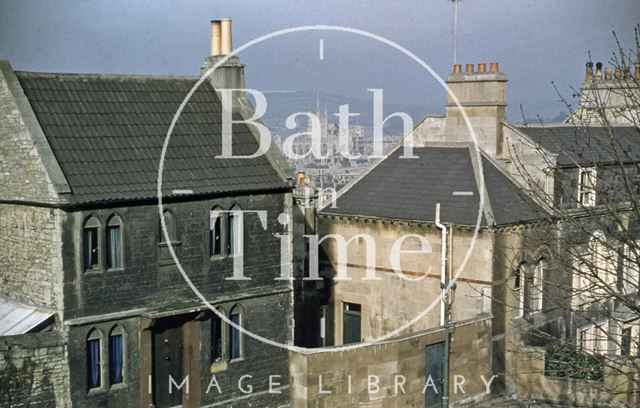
(535, 42)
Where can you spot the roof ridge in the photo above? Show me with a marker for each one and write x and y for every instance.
(78, 75)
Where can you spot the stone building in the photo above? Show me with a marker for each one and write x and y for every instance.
(537, 180)
(83, 243)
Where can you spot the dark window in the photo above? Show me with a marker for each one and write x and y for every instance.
(235, 349)
(93, 361)
(90, 244)
(215, 233)
(116, 355)
(625, 342)
(216, 339)
(114, 243)
(351, 317)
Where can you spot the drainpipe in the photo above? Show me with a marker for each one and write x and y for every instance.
(443, 263)
(444, 312)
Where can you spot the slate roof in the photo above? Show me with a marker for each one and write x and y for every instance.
(107, 132)
(409, 189)
(586, 145)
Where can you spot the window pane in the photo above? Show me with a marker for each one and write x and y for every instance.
(215, 238)
(232, 244)
(216, 339)
(234, 337)
(90, 241)
(114, 247)
(93, 363)
(115, 358)
(169, 221)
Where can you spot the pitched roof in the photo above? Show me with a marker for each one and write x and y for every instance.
(17, 318)
(409, 189)
(577, 145)
(107, 132)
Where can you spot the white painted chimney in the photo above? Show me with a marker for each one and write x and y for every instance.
(225, 37)
(215, 37)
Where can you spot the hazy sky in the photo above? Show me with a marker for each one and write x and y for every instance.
(535, 42)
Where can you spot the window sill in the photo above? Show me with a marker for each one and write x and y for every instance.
(217, 257)
(172, 243)
(120, 269)
(236, 360)
(92, 271)
(218, 367)
(119, 387)
(95, 391)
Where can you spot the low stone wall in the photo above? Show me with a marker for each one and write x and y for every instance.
(34, 371)
(346, 378)
(618, 388)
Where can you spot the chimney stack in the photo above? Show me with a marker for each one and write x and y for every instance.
(483, 96)
(230, 74)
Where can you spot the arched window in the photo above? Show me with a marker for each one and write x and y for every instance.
(519, 288)
(235, 336)
(235, 236)
(90, 245)
(215, 232)
(170, 223)
(116, 355)
(114, 242)
(217, 336)
(94, 359)
(537, 286)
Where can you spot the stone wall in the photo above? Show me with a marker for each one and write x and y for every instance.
(31, 254)
(341, 378)
(533, 385)
(33, 371)
(22, 160)
(391, 302)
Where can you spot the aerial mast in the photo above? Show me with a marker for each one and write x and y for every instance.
(455, 31)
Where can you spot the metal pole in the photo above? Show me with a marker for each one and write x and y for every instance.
(455, 32)
(445, 369)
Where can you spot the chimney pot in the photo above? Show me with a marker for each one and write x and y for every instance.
(494, 68)
(589, 73)
(225, 37)
(618, 74)
(482, 68)
(598, 71)
(215, 37)
(457, 68)
(627, 73)
(607, 73)
(469, 69)
(637, 73)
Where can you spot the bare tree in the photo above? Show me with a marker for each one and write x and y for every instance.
(583, 303)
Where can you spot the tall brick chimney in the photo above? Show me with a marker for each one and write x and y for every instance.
(483, 96)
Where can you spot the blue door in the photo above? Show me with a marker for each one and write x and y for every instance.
(434, 363)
